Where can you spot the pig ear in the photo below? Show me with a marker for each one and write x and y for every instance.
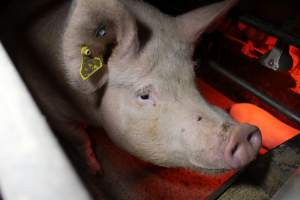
(107, 28)
(194, 23)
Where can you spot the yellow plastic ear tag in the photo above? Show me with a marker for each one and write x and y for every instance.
(89, 65)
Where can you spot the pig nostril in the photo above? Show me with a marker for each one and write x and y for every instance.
(249, 137)
(254, 139)
(253, 136)
(199, 118)
(234, 149)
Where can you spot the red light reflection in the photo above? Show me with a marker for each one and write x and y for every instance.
(295, 71)
(255, 43)
(274, 132)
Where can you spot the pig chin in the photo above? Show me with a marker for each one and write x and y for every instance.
(210, 171)
(220, 167)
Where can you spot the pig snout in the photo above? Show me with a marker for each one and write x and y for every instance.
(243, 146)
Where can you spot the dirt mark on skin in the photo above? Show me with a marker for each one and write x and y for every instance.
(149, 124)
(153, 124)
(153, 128)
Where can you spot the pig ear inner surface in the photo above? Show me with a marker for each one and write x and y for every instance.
(195, 22)
(125, 32)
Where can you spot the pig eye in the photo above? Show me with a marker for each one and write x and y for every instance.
(145, 97)
(144, 93)
(101, 31)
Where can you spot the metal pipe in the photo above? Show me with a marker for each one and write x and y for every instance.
(271, 29)
(282, 109)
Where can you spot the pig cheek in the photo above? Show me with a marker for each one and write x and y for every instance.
(131, 125)
(143, 121)
(206, 148)
(112, 118)
(143, 137)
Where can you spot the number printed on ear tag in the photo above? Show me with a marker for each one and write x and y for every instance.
(89, 65)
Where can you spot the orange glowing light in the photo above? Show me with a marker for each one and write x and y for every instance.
(254, 43)
(274, 132)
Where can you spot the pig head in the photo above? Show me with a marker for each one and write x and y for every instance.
(149, 104)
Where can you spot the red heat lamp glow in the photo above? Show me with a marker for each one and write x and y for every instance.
(254, 45)
(259, 43)
(274, 132)
(295, 71)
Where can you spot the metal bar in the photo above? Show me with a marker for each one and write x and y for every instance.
(282, 109)
(271, 29)
(33, 165)
(290, 189)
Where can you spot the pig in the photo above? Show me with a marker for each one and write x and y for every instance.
(145, 96)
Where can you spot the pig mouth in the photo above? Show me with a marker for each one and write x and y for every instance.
(221, 168)
(211, 172)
